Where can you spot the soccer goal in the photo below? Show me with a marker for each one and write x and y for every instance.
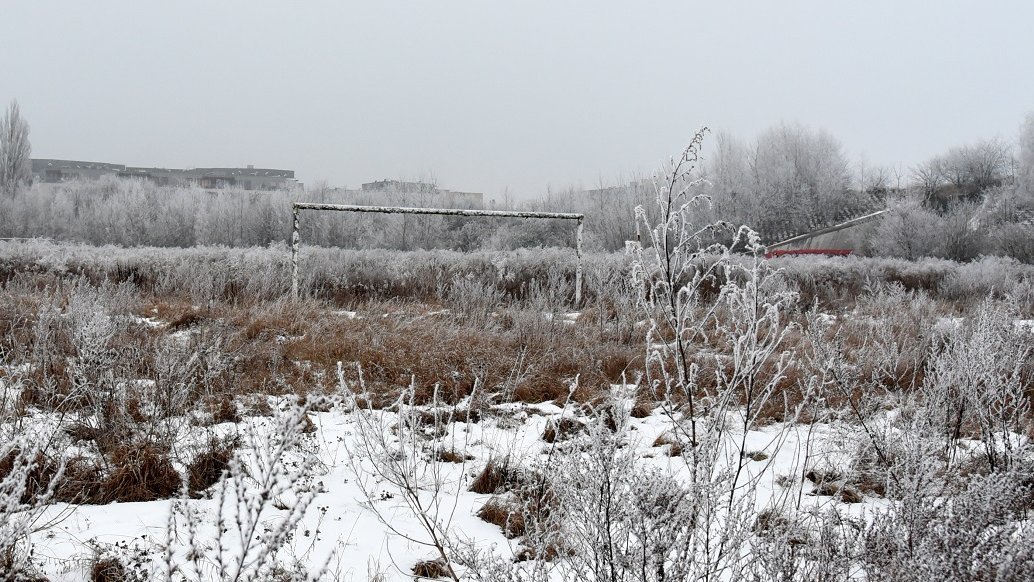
(297, 207)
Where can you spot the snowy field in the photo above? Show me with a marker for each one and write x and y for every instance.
(712, 425)
(359, 524)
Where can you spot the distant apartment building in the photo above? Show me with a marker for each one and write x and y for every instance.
(399, 186)
(435, 195)
(250, 178)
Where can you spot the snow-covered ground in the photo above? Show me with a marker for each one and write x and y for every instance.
(357, 536)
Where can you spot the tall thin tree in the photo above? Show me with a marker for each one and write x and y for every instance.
(1026, 169)
(15, 151)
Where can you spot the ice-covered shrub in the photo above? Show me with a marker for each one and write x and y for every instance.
(28, 482)
(261, 498)
(976, 386)
(994, 276)
(976, 534)
(473, 299)
(883, 334)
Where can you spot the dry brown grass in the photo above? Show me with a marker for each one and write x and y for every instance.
(40, 474)
(408, 346)
(110, 570)
(224, 409)
(452, 456)
(277, 347)
(209, 466)
(13, 570)
(140, 472)
(497, 475)
(870, 485)
(171, 309)
(83, 481)
(644, 404)
(666, 439)
(185, 320)
(562, 429)
(843, 492)
(132, 472)
(431, 569)
(770, 522)
(504, 514)
(830, 482)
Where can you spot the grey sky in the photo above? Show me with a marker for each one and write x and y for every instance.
(483, 96)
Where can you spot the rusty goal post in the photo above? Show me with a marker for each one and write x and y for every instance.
(297, 207)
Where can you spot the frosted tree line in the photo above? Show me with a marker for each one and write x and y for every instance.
(970, 201)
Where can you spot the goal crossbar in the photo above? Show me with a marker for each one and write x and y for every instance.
(299, 206)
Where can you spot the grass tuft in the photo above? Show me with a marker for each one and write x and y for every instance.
(496, 476)
(562, 429)
(504, 514)
(110, 570)
(431, 569)
(140, 473)
(208, 467)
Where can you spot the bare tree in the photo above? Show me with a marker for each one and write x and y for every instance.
(874, 180)
(15, 151)
(964, 172)
(927, 178)
(787, 178)
(1026, 165)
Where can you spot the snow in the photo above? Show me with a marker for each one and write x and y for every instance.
(342, 525)
(149, 322)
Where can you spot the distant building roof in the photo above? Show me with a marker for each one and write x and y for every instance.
(398, 186)
(240, 172)
(39, 164)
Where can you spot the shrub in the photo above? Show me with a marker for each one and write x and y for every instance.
(210, 465)
(561, 429)
(497, 475)
(504, 514)
(140, 472)
(110, 570)
(432, 569)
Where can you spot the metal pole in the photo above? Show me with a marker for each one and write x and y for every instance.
(578, 266)
(295, 240)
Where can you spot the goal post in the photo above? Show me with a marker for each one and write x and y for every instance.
(297, 207)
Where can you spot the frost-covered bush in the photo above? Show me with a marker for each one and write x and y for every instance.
(909, 231)
(976, 386)
(883, 333)
(611, 517)
(977, 534)
(28, 481)
(261, 499)
(264, 273)
(994, 276)
(473, 299)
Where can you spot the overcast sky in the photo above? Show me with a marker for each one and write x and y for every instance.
(484, 96)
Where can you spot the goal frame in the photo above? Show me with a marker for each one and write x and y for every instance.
(297, 207)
